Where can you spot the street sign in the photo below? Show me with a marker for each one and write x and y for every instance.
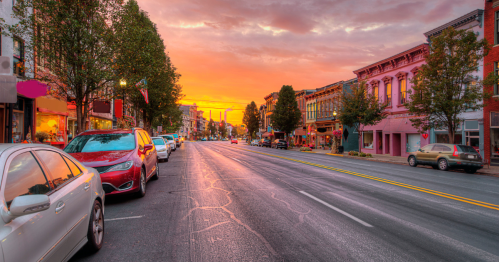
(160, 128)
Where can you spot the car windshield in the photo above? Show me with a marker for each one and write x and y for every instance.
(158, 141)
(168, 137)
(266, 140)
(101, 142)
(282, 141)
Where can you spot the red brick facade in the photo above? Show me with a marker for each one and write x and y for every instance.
(489, 62)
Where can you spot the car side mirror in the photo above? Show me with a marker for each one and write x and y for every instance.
(148, 147)
(420, 150)
(25, 205)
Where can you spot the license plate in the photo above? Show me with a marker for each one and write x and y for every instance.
(471, 157)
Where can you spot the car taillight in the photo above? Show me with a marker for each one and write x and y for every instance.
(456, 153)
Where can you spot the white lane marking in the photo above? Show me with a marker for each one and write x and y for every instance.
(235, 159)
(122, 218)
(336, 209)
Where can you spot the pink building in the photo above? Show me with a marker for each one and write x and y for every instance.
(389, 80)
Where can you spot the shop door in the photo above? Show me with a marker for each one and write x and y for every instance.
(2, 125)
(387, 143)
(379, 147)
(472, 139)
(396, 145)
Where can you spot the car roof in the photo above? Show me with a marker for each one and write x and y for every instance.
(5, 146)
(106, 131)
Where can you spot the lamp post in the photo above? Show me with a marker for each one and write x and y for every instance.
(123, 84)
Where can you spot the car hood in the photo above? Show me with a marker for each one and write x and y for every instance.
(102, 158)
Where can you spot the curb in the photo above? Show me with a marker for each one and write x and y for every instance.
(331, 154)
(310, 152)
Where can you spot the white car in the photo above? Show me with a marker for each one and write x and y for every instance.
(50, 204)
(254, 142)
(161, 148)
(171, 141)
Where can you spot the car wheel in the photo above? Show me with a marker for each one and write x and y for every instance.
(443, 165)
(412, 161)
(95, 234)
(470, 170)
(142, 183)
(156, 176)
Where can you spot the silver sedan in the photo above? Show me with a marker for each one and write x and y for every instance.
(50, 204)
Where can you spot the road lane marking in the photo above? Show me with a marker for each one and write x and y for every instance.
(236, 160)
(122, 218)
(387, 181)
(337, 209)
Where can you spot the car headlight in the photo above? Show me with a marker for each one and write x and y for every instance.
(121, 166)
(162, 150)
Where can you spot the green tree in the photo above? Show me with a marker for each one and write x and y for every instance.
(251, 118)
(223, 129)
(445, 87)
(360, 108)
(140, 54)
(286, 115)
(72, 44)
(212, 128)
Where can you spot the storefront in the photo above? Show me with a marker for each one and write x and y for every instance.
(16, 121)
(51, 117)
(494, 138)
(100, 123)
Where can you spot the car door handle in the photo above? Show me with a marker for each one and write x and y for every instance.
(60, 207)
(87, 186)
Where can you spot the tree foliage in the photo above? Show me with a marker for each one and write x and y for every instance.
(445, 87)
(360, 108)
(212, 128)
(286, 115)
(223, 129)
(251, 118)
(140, 54)
(71, 43)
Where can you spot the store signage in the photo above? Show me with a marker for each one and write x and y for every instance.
(32, 88)
(102, 107)
(8, 92)
(118, 108)
(425, 135)
(160, 128)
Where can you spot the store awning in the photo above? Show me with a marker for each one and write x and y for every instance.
(51, 106)
(300, 132)
(266, 134)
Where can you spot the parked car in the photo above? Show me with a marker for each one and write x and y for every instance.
(254, 142)
(265, 142)
(447, 156)
(170, 140)
(51, 205)
(203, 139)
(177, 139)
(279, 143)
(161, 148)
(233, 141)
(126, 159)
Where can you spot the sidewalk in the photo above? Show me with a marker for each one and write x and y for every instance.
(486, 170)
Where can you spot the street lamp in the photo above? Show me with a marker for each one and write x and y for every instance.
(122, 82)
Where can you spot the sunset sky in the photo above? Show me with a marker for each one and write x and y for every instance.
(239, 51)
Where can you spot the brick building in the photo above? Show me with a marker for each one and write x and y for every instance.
(491, 64)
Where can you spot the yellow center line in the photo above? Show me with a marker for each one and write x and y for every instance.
(387, 181)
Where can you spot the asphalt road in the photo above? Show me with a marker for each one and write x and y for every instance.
(220, 202)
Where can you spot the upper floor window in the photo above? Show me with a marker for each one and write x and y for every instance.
(496, 25)
(388, 93)
(18, 57)
(403, 91)
(376, 92)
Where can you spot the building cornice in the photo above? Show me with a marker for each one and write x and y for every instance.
(476, 15)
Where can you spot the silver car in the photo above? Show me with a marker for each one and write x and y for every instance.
(50, 204)
(161, 148)
(171, 141)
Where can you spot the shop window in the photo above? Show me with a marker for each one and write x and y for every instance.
(53, 125)
(473, 139)
(97, 123)
(388, 94)
(367, 139)
(18, 57)
(496, 25)
(444, 138)
(496, 72)
(494, 142)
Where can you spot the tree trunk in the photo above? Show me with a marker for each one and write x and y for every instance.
(79, 117)
(451, 133)
(147, 124)
(360, 140)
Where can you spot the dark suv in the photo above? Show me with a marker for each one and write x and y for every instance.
(264, 142)
(279, 143)
(126, 159)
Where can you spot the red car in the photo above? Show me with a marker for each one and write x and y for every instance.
(233, 141)
(125, 159)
